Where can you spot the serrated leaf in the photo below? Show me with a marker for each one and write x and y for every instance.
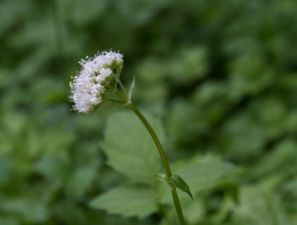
(181, 184)
(127, 201)
(129, 148)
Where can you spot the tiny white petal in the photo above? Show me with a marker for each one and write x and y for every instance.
(88, 86)
(104, 74)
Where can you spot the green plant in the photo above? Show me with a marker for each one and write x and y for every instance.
(98, 80)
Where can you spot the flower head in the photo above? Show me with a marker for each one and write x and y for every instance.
(97, 75)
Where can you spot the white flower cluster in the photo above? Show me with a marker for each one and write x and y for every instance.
(89, 85)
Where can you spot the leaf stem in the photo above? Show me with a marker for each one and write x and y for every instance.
(164, 160)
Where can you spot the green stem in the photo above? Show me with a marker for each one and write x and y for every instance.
(164, 160)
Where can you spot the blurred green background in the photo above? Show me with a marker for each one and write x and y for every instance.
(221, 75)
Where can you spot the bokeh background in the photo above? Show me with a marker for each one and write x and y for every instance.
(221, 75)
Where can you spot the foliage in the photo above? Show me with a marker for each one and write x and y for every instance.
(218, 78)
(129, 148)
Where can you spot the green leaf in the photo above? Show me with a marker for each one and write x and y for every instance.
(129, 148)
(127, 201)
(181, 184)
(201, 174)
(29, 208)
(9, 220)
(258, 206)
(80, 181)
(131, 88)
(205, 173)
(194, 211)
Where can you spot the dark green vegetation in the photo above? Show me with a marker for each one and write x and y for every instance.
(220, 75)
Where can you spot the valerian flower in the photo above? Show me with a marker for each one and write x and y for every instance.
(97, 76)
(97, 82)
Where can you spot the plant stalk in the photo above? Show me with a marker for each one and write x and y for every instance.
(164, 160)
